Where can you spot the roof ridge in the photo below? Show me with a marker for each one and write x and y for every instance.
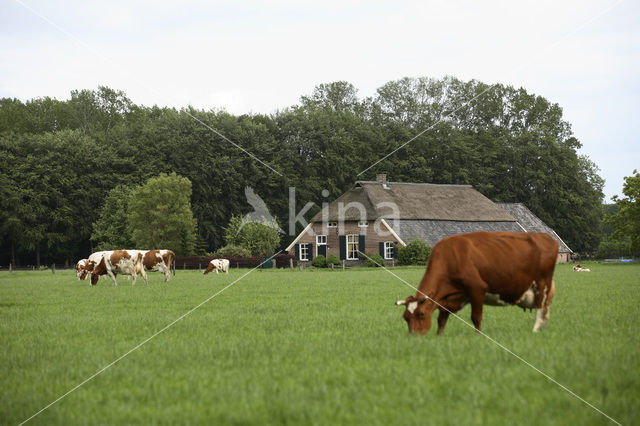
(371, 182)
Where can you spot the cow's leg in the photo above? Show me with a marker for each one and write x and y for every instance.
(113, 277)
(443, 316)
(143, 273)
(543, 302)
(477, 301)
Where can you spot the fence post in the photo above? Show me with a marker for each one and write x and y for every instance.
(343, 262)
(199, 267)
(10, 267)
(184, 265)
(291, 263)
(53, 268)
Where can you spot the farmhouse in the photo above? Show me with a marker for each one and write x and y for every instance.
(374, 216)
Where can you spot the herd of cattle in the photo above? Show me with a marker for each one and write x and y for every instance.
(134, 263)
(480, 268)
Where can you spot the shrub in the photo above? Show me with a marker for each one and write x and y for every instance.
(319, 261)
(232, 251)
(374, 260)
(332, 259)
(416, 252)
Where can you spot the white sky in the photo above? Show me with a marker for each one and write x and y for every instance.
(255, 56)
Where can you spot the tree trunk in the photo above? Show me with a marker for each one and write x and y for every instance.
(38, 255)
(13, 253)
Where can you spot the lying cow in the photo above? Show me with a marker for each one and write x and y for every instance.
(118, 262)
(497, 268)
(579, 268)
(217, 264)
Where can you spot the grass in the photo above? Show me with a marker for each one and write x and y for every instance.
(312, 347)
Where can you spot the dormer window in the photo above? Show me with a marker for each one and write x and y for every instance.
(332, 224)
(363, 224)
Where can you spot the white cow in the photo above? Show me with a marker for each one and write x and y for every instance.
(218, 264)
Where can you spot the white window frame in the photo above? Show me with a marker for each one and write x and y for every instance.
(321, 240)
(352, 246)
(363, 224)
(388, 250)
(304, 248)
(332, 224)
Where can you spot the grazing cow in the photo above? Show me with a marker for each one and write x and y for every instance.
(80, 272)
(90, 264)
(579, 268)
(158, 260)
(496, 268)
(118, 262)
(217, 264)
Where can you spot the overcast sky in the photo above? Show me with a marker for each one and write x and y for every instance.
(254, 56)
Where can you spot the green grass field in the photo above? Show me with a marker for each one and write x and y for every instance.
(312, 347)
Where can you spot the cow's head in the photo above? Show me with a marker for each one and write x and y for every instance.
(209, 268)
(417, 314)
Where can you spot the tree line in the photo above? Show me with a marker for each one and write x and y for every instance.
(59, 160)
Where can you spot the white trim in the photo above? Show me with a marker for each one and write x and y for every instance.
(293, 243)
(385, 250)
(384, 222)
(306, 248)
(357, 241)
(320, 244)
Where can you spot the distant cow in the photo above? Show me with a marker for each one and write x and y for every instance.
(497, 268)
(579, 268)
(158, 260)
(90, 264)
(218, 264)
(118, 262)
(80, 271)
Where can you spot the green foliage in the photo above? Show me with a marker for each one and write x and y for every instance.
(258, 238)
(112, 231)
(160, 214)
(332, 259)
(232, 251)
(374, 260)
(610, 248)
(59, 159)
(319, 261)
(626, 222)
(416, 252)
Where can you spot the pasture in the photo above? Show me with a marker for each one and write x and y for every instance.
(312, 347)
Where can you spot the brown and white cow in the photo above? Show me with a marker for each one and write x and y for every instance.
(158, 260)
(118, 262)
(579, 268)
(495, 268)
(217, 264)
(90, 264)
(80, 271)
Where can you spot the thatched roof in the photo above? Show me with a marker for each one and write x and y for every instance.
(532, 223)
(432, 231)
(414, 201)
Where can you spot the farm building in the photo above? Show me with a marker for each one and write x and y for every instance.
(376, 215)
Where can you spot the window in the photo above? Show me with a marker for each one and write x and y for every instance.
(332, 224)
(388, 250)
(321, 240)
(304, 251)
(352, 247)
(363, 224)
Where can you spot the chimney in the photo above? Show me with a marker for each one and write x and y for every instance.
(381, 178)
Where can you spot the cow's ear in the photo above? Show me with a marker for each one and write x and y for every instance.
(423, 299)
(401, 302)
